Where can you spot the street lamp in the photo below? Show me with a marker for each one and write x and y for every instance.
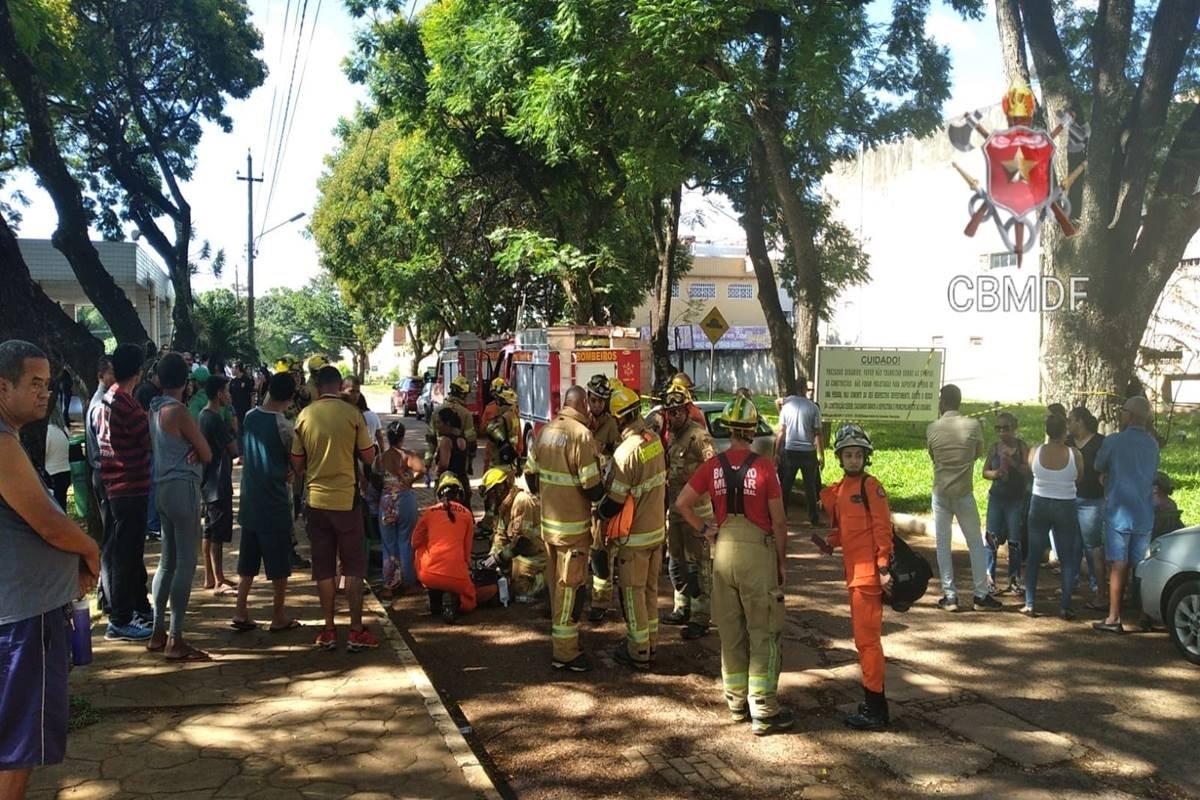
(251, 250)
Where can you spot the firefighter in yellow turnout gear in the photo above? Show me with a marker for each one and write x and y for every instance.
(633, 511)
(517, 538)
(606, 436)
(564, 472)
(748, 533)
(689, 446)
(456, 400)
(503, 431)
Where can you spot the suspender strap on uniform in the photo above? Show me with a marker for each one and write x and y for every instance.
(735, 483)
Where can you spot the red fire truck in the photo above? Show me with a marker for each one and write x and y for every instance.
(544, 362)
(541, 364)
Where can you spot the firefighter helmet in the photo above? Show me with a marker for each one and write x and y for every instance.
(283, 365)
(677, 396)
(506, 396)
(684, 379)
(316, 362)
(740, 413)
(851, 435)
(448, 483)
(623, 400)
(598, 386)
(496, 476)
(497, 384)
(459, 386)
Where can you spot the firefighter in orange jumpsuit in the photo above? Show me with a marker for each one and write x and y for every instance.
(858, 508)
(442, 549)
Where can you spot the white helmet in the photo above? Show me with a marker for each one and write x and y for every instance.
(851, 435)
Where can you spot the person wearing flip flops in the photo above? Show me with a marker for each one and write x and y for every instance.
(267, 520)
(180, 453)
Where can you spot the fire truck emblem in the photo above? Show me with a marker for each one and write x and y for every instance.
(1020, 186)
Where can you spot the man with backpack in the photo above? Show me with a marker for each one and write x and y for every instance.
(857, 506)
(748, 534)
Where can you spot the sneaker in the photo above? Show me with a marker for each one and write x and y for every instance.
(782, 720)
(678, 616)
(1028, 611)
(361, 640)
(694, 630)
(988, 603)
(1066, 614)
(620, 654)
(948, 603)
(142, 620)
(299, 561)
(1108, 627)
(867, 719)
(579, 663)
(130, 632)
(326, 639)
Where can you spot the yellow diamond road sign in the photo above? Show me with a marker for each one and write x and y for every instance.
(714, 325)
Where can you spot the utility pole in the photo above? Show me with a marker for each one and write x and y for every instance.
(250, 181)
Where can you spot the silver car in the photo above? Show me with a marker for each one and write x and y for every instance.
(1167, 584)
(764, 437)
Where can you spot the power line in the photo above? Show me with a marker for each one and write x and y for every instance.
(276, 162)
(290, 123)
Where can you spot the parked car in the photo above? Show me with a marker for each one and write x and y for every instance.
(1167, 584)
(764, 437)
(404, 396)
(429, 399)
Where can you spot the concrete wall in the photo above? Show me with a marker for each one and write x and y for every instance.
(732, 369)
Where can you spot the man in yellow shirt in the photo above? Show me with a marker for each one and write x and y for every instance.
(329, 434)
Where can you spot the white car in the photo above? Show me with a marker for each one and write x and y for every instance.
(764, 437)
(1167, 584)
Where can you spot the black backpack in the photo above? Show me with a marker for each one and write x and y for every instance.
(909, 569)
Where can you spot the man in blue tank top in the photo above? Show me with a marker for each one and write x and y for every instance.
(46, 561)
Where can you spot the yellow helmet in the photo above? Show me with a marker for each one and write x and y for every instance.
(448, 483)
(682, 378)
(497, 384)
(740, 412)
(677, 396)
(496, 476)
(283, 365)
(507, 396)
(459, 385)
(623, 399)
(316, 362)
(1019, 101)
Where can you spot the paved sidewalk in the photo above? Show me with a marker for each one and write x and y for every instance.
(268, 717)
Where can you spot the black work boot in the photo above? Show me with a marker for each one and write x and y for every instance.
(449, 607)
(694, 630)
(678, 616)
(872, 715)
(435, 601)
(596, 614)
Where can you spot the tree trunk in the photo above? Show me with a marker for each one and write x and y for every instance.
(71, 235)
(666, 243)
(183, 337)
(783, 348)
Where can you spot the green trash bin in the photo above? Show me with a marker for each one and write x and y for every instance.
(79, 481)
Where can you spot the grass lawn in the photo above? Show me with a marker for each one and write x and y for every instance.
(902, 463)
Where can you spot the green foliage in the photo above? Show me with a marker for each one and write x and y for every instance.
(220, 318)
(316, 319)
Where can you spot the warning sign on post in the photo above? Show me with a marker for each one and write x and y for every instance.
(869, 385)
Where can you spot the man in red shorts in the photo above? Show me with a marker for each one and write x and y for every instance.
(329, 434)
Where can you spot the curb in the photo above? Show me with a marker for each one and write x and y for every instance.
(474, 773)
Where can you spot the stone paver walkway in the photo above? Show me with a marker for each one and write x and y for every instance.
(268, 718)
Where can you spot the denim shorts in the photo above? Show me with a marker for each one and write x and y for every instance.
(1091, 520)
(1125, 548)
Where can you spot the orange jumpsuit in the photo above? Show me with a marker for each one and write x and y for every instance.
(442, 548)
(864, 532)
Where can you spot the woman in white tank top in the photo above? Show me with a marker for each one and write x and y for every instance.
(1057, 468)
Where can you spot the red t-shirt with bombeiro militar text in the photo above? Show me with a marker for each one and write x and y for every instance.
(761, 485)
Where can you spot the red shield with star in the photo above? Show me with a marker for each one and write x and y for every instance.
(1019, 177)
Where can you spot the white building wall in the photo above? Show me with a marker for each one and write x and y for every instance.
(909, 207)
